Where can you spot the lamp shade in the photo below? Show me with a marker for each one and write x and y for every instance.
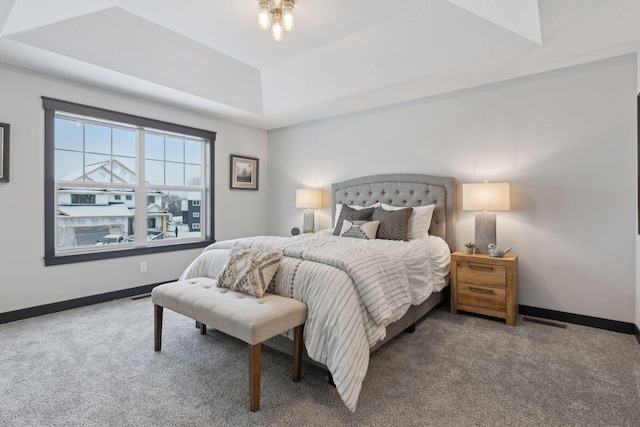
(486, 196)
(309, 198)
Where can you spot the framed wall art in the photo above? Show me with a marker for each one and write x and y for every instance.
(4, 152)
(244, 173)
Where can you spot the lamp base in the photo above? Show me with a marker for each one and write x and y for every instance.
(308, 223)
(485, 231)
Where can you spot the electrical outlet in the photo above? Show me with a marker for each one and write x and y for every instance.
(143, 267)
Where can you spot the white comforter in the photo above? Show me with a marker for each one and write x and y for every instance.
(353, 289)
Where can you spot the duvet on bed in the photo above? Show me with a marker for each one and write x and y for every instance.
(353, 289)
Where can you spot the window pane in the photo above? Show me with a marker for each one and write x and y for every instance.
(92, 218)
(174, 149)
(68, 165)
(175, 173)
(193, 152)
(193, 175)
(97, 168)
(124, 142)
(153, 146)
(158, 218)
(124, 169)
(183, 215)
(97, 139)
(154, 172)
(68, 134)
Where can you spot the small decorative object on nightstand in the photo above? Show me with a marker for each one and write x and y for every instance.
(485, 285)
(497, 252)
(471, 247)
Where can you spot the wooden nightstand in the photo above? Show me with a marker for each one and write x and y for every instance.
(484, 285)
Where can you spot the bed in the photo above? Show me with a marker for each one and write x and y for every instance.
(408, 190)
(359, 293)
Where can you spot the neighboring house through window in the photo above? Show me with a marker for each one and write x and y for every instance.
(95, 156)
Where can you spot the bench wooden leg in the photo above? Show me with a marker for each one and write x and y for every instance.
(254, 377)
(203, 329)
(157, 326)
(298, 343)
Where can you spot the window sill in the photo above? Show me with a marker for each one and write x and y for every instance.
(95, 256)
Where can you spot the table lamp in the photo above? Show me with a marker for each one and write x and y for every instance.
(486, 196)
(309, 199)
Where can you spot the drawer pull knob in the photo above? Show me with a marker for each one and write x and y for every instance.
(480, 267)
(480, 290)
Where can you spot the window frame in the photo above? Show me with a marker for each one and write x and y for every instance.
(52, 105)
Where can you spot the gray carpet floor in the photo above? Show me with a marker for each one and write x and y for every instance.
(95, 366)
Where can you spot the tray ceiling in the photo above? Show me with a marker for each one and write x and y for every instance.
(344, 56)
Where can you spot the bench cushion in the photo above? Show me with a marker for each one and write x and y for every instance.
(253, 320)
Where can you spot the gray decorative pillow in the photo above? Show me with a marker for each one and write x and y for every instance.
(359, 229)
(249, 271)
(351, 214)
(394, 225)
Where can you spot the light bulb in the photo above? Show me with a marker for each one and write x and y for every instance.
(288, 21)
(276, 29)
(264, 21)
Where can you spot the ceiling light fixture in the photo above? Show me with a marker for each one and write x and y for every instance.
(277, 15)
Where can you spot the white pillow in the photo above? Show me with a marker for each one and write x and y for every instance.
(419, 222)
(357, 207)
(359, 229)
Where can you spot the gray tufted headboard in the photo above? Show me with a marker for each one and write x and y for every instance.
(404, 190)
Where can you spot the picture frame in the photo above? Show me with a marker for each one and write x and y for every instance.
(4, 152)
(244, 172)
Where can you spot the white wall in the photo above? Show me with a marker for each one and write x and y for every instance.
(24, 280)
(565, 139)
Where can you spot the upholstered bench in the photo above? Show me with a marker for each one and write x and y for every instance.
(253, 320)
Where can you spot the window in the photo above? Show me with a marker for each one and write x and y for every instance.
(196, 214)
(83, 199)
(94, 157)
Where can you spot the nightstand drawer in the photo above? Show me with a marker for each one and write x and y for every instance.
(481, 296)
(482, 274)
